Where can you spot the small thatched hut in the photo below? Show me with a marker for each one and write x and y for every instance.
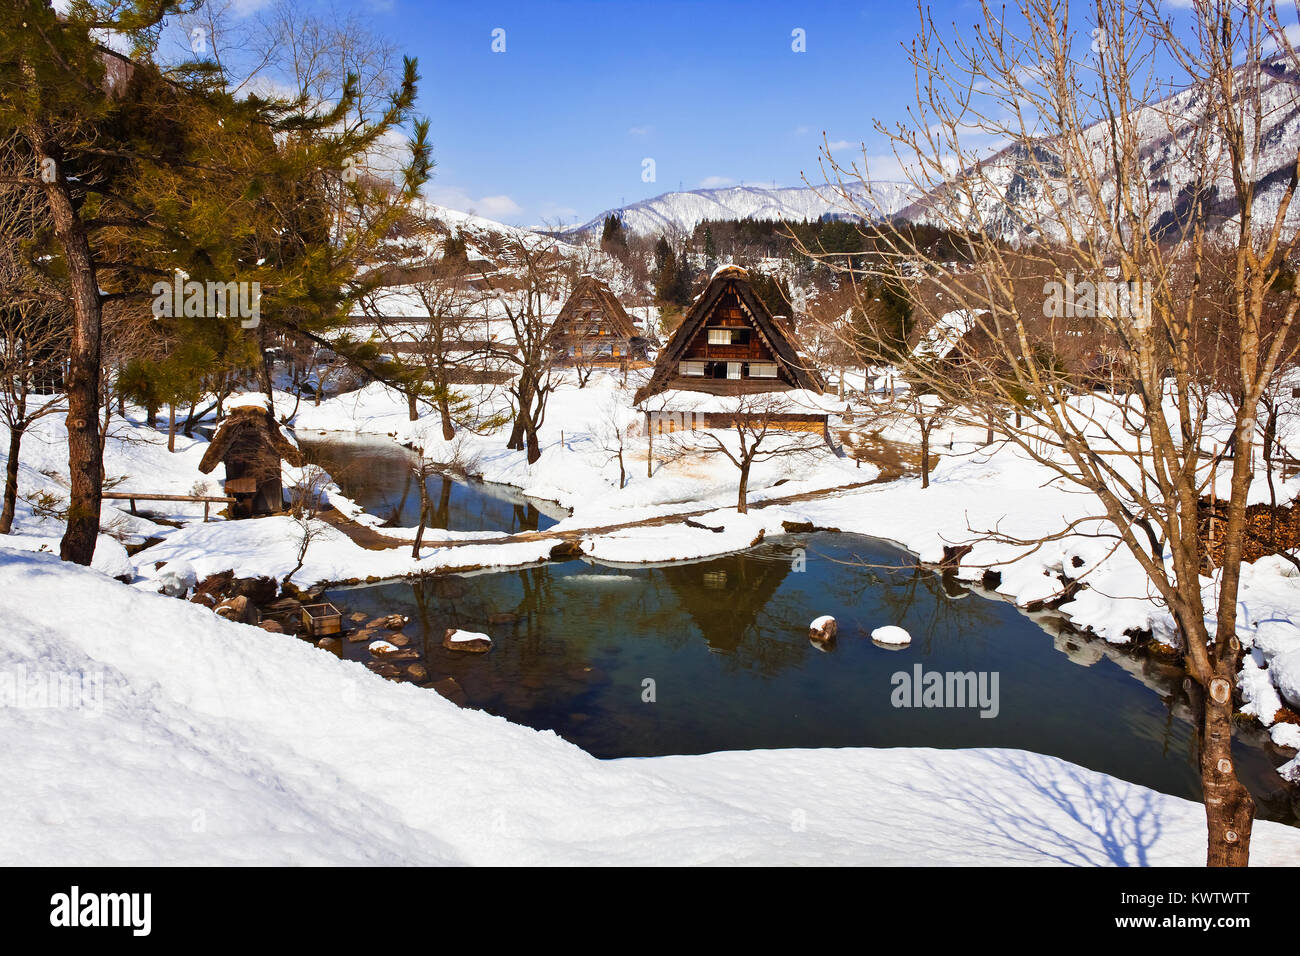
(252, 447)
(593, 327)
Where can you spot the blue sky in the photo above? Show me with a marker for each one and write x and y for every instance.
(557, 126)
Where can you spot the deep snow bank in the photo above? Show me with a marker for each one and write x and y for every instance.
(204, 741)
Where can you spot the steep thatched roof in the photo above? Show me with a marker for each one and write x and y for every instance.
(616, 320)
(795, 371)
(249, 426)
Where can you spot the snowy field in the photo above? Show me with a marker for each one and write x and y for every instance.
(215, 742)
(202, 741)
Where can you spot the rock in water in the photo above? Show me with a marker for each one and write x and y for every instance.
(448, 688)
(382, 648)
(891, 634)
(237, 608)
(471, 641)
(823, 629)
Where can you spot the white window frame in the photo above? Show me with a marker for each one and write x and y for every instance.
(768, 370)
(690, 369)
(719, 336)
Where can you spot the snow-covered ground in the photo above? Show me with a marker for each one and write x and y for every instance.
(209, 722)
(203, 741)
(972, 490)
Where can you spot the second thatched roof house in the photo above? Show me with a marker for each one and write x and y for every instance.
(593, 326)
(252, 447)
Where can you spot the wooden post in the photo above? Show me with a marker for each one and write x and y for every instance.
(649, 448)
(206, 506)
(133, 506)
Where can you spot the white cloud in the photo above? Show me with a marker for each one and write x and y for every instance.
(493, 207)
(640, 131)
(715, 182)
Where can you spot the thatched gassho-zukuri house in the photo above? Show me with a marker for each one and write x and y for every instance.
(252, 447)
(730, 349)
(593, 327)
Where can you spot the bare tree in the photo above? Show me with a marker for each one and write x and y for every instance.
(306, 499)
(755, 427)
(1146, 198)
(33, 339)
(444, 346)
(527, 296)
(613, 433)
(459, 462)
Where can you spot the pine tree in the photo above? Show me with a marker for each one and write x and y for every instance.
(149, 173)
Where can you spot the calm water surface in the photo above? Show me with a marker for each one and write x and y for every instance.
(725, 643)
(376, 474)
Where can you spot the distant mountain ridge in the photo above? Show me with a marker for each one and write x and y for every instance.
(1018, 190)
(681, 212)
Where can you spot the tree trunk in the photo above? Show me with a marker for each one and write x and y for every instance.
(925, 455)
(171, 427)
(522, 423)
(412, 407)
(444, 411)
(424, 514)
(742, 497)
(534, 449)
(11, 480)
(1229, 807)
(264, 369)
(649, 447)
(85, 460)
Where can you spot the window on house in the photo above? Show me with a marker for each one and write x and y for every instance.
(691, 368)
(719, 336)
(733, 369)
(762, 370)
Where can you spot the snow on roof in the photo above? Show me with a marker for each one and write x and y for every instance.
(729, 267)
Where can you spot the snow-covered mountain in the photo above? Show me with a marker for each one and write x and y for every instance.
(681, 212)
(1020, 192)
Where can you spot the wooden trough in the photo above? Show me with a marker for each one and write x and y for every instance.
(320, 620)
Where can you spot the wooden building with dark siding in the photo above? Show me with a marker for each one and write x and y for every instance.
(729, 344)
(593, 327)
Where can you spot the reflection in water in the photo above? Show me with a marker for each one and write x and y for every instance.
(726, 643)
(378, 475)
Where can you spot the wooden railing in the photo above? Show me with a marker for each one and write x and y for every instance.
(134, 496)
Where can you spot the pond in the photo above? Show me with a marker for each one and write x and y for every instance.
(376, 473)
(714, 655)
